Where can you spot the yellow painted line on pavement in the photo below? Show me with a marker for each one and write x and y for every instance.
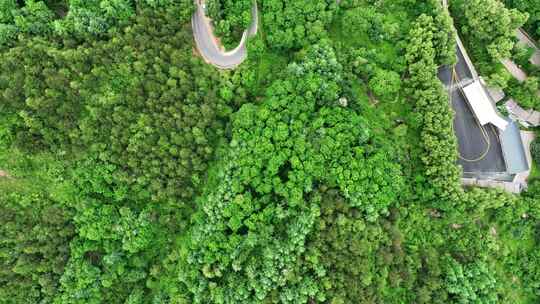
(485, 135)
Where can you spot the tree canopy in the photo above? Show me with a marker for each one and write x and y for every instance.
(323, 169)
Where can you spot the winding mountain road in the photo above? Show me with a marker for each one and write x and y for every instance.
(208, 45)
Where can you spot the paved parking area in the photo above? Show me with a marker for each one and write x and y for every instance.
(479, 147)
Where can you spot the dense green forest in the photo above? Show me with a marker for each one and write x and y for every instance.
(322, 170)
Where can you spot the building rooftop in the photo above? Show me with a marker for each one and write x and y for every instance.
(496, 94)
(481, 105)
(513, 149)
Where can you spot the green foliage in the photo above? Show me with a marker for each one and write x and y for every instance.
(34, 18)
(533, 11)
(154, 122)
(490, 24)
(230, 17)
(7, 7)
(521, 54)
(132, 172)
(121, 244)
(444, 38)
(76, 19)
(34, 248)
(355, 255)
(535, 150)
(371, 21)
(385, 84)
(367, 22)
(488, 28)
(93, 17)
(258, 211)
(41, 96)
(146, 128)
(526, 93)
(433, 112)
(472, 283)
(295, 24)
(7, 33)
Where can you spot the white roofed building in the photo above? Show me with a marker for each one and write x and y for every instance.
(482, 107)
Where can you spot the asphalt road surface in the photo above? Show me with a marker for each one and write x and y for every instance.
(477, 157)
(461, 68)
(208, 46)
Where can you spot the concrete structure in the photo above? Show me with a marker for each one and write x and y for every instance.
(483, 108)
(514, 69)
(519, 181)
(512, 147)
(471, 130)
(465, 55)
(496, 94)
(527, 118)
(503, 185)
(526, 40)
(527, 137)
(479, 148)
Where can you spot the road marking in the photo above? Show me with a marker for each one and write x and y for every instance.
(485, 135)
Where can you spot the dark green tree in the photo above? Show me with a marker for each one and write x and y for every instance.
(34, 247)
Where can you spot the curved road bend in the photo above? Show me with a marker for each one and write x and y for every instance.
(207, 43)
